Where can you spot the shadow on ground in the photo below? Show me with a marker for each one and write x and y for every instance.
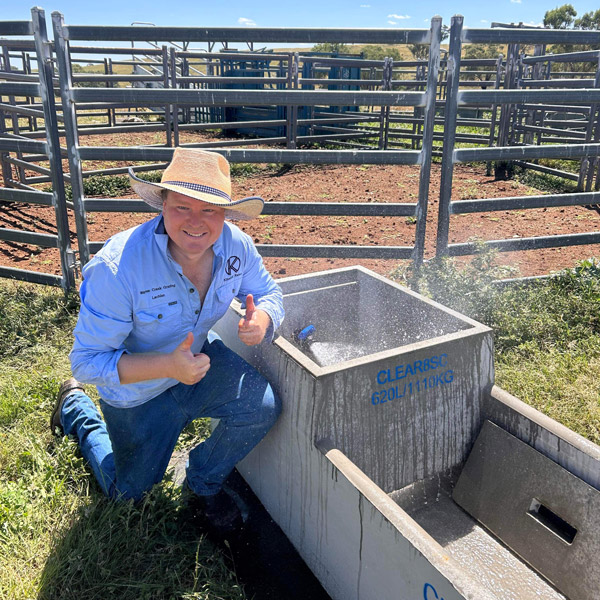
(150, 550)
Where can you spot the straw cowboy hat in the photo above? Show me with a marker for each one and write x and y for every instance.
(198, 174)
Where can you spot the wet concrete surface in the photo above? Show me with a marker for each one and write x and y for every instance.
(481, 554)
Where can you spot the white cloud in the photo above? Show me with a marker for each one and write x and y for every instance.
(392, 22)
(484, 21)
(246, 22)
(399, 17)
(365, 6)
(515, 1)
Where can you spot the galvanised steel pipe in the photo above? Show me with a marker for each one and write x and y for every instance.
(153, 97)
(333, 157)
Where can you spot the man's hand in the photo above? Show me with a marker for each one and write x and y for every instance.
(253, 327)
(187, 367)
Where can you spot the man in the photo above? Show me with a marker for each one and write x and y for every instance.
(148, 301)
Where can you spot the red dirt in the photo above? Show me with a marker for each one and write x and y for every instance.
(341, 184)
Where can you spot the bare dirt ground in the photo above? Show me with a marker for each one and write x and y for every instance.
(332, 183)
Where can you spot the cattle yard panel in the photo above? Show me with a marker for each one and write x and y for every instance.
(236, 97)
(18, 86)
(512, 96)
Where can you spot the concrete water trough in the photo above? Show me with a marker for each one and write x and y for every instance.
(398, 471)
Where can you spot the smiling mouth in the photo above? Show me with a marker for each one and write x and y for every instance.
(194, 235)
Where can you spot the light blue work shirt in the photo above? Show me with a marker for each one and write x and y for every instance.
(135, 298)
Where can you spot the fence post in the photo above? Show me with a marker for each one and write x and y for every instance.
(295, 82)
(427, 145)
(588, 165)
(386, 77)
(488, 168)
(46, 72)
(290, 141)
(174, 107)
(167, 84)
(450, 114)
(6, 167)
(14, 117)
(71, 135)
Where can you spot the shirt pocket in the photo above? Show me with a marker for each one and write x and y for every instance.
(224, 296)
(154, 323)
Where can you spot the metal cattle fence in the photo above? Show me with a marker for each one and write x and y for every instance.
(509, 98)
(19, 85)
(287, 106)
(294, 98)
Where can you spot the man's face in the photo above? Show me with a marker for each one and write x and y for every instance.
(193, 226)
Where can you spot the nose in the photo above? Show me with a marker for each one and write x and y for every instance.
(195, 218)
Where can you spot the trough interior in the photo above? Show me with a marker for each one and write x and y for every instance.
(477, 551)
(358, 315)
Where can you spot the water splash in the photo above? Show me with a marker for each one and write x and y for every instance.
(330, 353)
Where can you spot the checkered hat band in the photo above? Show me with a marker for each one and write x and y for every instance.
(201, 188)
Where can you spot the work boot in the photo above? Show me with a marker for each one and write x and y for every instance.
(218, 514)
(65, 390)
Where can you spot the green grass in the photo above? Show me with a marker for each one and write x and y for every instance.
(59, 537)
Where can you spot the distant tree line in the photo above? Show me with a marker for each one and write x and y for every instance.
(561, 17)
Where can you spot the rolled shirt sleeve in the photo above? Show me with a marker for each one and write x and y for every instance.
(265, 291)
(105, 321)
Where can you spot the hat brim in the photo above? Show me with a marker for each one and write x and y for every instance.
(151, 194)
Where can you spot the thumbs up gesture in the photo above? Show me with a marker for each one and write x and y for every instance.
(254, 325)
(187, 367)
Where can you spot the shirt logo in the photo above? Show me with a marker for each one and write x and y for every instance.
(232, 265)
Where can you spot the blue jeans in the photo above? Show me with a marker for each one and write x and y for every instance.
(129, 450)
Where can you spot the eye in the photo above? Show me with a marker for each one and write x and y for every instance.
(182, 208)
(209, 211)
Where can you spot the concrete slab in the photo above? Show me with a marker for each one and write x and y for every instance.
(545, 514)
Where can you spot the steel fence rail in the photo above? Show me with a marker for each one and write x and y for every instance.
(28, 197)
(295, 157)
(530, 36)
(255, 34)
(151, 97)
(460, 207)
(564, 151)
(532, 243)
(580, 96)
(16, 28)
(331, 209)
(31, 276)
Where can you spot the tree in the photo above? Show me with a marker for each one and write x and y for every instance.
(481, 51)
(421, 51)
(590, 20)
(372, 52)
(333, 48)
(561, 17)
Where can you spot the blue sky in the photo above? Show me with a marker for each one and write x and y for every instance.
(306, 13)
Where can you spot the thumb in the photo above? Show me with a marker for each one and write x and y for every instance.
(187, 343)
(250, 308)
